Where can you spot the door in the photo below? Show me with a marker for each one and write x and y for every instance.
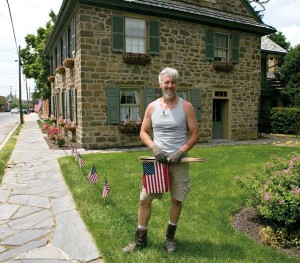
(219, 118)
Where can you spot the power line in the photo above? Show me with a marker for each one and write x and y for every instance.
(12, 24)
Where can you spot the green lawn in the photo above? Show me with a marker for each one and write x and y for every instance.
(204, 234)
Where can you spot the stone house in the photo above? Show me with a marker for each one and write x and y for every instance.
(106, 57)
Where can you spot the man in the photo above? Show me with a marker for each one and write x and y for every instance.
(171, 118)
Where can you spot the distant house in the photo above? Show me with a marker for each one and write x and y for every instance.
(119, 47)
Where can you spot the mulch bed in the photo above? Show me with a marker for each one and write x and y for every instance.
(67, 146)
(248, 222)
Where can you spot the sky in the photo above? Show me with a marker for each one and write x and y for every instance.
(29, 15)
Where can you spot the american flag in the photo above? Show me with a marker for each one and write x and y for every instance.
(38, 105)
(80, 160)
(106, 189)
(127, 120)
(139, 120)
(73, 149)
(93, 176)
(156, 177)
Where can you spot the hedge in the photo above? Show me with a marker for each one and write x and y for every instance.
(285, 120)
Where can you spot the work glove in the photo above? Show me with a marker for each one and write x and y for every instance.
(175, 157)
(159, 154)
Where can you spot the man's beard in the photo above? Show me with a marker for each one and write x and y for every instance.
(169, 95)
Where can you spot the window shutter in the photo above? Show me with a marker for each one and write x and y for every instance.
(74, 105)
(53, 62)
(61, 105)
(53, 105)
(149, 96)
(153, 29)
(73, 37)
(65, 37)
(68, 104)
(235, 48)
(196, 101)
(58, 57)
(209, 44)
(118, 34)
(113, 105)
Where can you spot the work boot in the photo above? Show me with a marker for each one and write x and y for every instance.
(139, 242)
(170, 244)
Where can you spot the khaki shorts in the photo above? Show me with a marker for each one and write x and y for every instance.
(179, 184)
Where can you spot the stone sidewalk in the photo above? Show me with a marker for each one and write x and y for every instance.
(38, 219)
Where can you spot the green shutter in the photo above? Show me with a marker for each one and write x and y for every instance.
(68, 104)
(235, 48)
(149, 96)
(74, 104)
(196, 101)
(118, 34)
(209, 44)
(73, 37)
(61, 104)
(52, 105)
(153, 29)
(113, 105)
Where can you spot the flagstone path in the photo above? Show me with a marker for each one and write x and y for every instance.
(38, 219)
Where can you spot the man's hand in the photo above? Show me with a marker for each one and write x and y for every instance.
(159, 154)
(175, 157)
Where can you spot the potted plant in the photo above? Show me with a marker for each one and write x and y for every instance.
(51, 78)
(70, 126)
(136, 58)
(68, 62)
(130, 127)
(223, 66)
(60, 69)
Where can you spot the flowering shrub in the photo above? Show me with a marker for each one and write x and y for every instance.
(275, 191)
(56, 135)
(46, 127)
(60, 140)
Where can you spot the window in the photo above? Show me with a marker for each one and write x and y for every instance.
(221, 47)
(135, 35)
(74, 105)
(129, 104)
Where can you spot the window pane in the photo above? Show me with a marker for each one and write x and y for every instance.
(221, 47)
(129, 104)
(135, 32)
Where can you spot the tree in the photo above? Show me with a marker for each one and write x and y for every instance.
(289, 74)
(34, 64)
(260, 4)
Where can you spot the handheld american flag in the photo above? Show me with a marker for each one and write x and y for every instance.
(106, 189)
(156, 177)
(93, 176)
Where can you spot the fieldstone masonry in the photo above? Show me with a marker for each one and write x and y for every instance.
(182, 45)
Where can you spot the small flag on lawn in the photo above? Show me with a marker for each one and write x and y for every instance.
(93, 176)
(156, 177)
(73, 149)
(80, 160)
(106, 189)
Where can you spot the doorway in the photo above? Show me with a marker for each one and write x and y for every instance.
(220, 119)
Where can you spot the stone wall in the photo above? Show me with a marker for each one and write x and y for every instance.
(182, 45)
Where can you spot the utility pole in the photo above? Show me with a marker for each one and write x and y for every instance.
(20, 88)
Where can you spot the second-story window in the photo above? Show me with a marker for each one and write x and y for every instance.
(135, 35)
(221, 47)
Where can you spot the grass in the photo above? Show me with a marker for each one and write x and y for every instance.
(7, 150)
(204, 234)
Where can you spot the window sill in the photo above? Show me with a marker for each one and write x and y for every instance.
(223, 66)
(136, 58)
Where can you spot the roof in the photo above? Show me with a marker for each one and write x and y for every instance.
(270, 46)
(167, 9)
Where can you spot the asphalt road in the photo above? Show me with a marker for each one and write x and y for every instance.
(8, 123)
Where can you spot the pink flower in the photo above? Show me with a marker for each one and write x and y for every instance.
(297, 191)
(280, 202)
(267, 197)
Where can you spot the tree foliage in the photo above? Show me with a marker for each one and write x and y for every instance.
(290, 75)
(34, 64)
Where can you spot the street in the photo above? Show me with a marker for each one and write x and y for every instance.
(8, 122)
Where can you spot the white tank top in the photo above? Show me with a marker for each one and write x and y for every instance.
(169, 127)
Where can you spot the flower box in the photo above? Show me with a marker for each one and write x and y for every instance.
(68, 62)
(130, 127)
(51, 78)
(223, 66)
(136, 58)
(60, 70)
